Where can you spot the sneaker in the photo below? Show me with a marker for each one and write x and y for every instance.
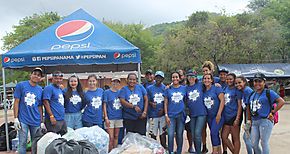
(190, 150)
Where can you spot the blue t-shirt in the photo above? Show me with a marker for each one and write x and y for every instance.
(147, 84)
(93, 112)
(114, 107)
(156, 95)
(223, 84)
(176, 99)
(195, 100)
(245, 97)
(211, 100)
(29, 100)
(232, 95)
(135, 97)
(259, 104)
(73, 104)
(55, 97)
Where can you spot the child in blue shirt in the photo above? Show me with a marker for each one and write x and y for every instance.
(73, 102)
(93, 113)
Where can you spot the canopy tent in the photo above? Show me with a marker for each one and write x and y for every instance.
(248, 70)
(78, 43)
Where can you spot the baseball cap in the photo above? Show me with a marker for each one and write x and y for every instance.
(160, 73)
(116, 78)
(38, 69)
(259, 76)
(191, 72)
(149, 71)
(224, 70)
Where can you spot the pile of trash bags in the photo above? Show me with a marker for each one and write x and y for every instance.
(136, 143)
(86, 140)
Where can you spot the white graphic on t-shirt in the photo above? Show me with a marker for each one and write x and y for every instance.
(61, 99)
(158, 98)
(177, 97)
(255, 105)
(96, 102)
(208, 102)
(75, 99)
(30, 99)
(243, 104)
(227, 98)
(193, 95)
(134, 99)
(117, 104)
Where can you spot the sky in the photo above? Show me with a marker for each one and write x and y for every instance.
(147, 12)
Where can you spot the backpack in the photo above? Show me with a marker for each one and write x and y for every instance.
(276, 115)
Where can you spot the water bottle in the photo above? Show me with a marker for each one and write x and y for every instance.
(15, 143)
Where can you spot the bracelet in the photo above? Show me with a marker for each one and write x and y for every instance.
(106, 118)
(166, 115)
(145, 112)
(52, 116)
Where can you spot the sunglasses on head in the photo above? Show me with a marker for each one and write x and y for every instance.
(57, 75)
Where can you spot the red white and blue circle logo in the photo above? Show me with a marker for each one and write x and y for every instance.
(74, 30)
(6, 59)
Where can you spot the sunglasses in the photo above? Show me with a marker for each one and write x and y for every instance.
(57, 75)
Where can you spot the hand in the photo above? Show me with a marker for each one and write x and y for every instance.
(161, 112)
(236, 122)
(107, 123)
(167, 120)
(144, 115)
(218, 118)
(17, 125)
(52, 120)
(218, 85)
(137, 109)
(271, 117)
(42, 125)
(153, 104)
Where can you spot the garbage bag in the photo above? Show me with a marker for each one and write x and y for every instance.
(72, 135)
(97, 136)
(11, 133)
(45, 141)
(62, 146)
(136, 143)
(38, 135)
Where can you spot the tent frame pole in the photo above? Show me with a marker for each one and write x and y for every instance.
(5, 109)
(139, 73)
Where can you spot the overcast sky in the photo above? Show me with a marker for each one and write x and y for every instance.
(148, 12)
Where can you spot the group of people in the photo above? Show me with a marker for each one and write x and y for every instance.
(189, 103)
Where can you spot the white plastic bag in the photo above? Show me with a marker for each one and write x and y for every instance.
(45, 141)
(72, 135)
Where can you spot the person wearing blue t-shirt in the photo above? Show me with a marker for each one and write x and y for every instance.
(213, 98)
(174, 108)
(93, 113)
(262, 114)
(149, 76)
(156, 108)
(53, 101)
(196, 108)
(222, 77)
(73, 102)
(134, 100)
(113, 112)
(28, 108)
(241, 82)
(233, 115)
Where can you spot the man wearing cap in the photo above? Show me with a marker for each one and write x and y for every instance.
(222, 75)
(149, 78)
(53, 101)
(28, 108)
(156, 108)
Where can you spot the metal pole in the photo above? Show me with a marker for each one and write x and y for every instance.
(5, 108)
(139, 73)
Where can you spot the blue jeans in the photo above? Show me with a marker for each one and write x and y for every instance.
(261, 130)
(215, 130)
(248, 143)
(196, 126)
(23, 134)
(176, 125)
(73, 120)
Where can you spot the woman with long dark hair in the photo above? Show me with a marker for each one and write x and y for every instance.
(73, 102)
(174, 108)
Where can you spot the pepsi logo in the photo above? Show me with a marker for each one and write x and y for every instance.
(117, 55)
(6, 59)
(74, 30)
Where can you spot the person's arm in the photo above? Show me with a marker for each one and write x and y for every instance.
(280, 103)
(237, 121)
(16, 107)
(126, 103)
(107, 122)
(49, 112)
(221, 107)
(166, 111)
(144, 114)
(40, 109)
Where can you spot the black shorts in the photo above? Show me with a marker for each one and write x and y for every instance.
(231, 121)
